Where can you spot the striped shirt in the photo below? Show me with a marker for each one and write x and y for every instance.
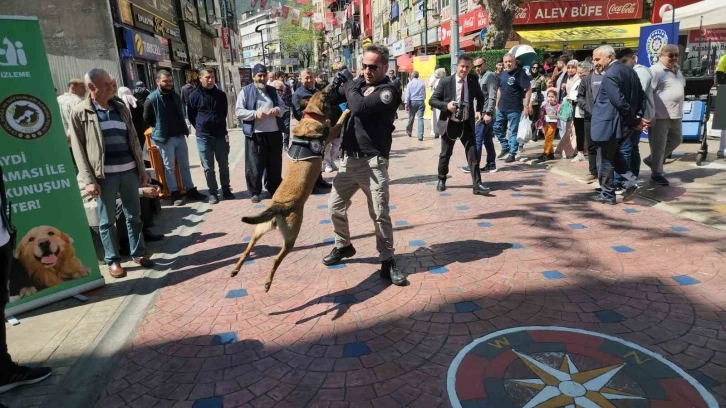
(118, 156)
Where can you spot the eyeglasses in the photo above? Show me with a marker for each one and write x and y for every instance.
(672, 56)
(478, 66)
(372, 67)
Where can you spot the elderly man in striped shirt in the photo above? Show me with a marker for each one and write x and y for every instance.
(110, 165)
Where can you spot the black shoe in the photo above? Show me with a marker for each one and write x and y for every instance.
(465, 169)
(629, 192)
(21, 375)
(441, 186)
(551, 156)
(194, 195)
(321, 183)
(480, 189)
(541, 158)
(503, 154)
(176, 199)
(337, 255)
(228, 195)
(409, 135)
(256, 199)
(213, 199)
(390, 271)
(648, 162)
(597, 198)
(490, 167)
(510, 159)
(660, 180)
(151, 237)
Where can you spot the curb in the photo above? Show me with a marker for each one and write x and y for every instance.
(87, 378)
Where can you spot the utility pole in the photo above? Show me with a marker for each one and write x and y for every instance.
(454, 34)
(426, 26)
(258, 29)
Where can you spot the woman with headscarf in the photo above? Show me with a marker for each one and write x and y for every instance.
(137, 112)
(438, 74)
(570, 82)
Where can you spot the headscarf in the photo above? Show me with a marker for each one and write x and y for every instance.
(127, 96)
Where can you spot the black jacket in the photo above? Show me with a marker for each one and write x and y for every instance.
(207, 111)
(446, 92)
(5, 211)
(583, 101)
(300, 94)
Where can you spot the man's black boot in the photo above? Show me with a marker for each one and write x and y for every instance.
(441, 186)
(337, 255)
(390, 271)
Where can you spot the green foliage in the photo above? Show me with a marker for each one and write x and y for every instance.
(490, 56)
(297, 40)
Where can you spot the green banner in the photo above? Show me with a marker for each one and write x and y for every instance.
(55, 257)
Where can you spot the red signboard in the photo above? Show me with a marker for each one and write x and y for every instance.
(225, 39)
(469, 22)
(716, 35)
(547, 12)
(663, 9)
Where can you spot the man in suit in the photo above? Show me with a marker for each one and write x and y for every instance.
(616, 114)
(454, 97)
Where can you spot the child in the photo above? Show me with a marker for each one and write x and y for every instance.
(548, 123)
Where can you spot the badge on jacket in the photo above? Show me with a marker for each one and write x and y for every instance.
(386, 96)
(369, 91)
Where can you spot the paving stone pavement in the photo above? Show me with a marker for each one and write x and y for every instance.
(534, 253)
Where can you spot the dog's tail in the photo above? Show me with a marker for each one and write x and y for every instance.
(268, 214)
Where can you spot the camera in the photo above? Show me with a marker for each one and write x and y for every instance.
(460, 109)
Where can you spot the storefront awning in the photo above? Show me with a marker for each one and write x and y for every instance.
(404, 63)
(584, 37)
(468, 40)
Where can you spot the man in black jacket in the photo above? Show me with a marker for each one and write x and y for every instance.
(207, 112)
(585, 99)
(11, 374)
(454, 97)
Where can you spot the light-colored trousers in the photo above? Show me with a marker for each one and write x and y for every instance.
(371, 176)
(664, 137)
(331, 152)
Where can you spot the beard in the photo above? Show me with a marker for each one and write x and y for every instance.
(260, 85)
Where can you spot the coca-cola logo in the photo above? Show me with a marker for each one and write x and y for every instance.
(521, 13)
(625, 9)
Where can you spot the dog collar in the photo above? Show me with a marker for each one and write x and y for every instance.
(314, 116)
(308, 148)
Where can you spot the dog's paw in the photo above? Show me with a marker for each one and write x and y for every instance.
(85, 272)
(27, 291)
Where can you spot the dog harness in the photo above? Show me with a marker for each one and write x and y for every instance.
(308, 148)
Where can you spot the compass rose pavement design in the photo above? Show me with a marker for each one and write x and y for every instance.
(561, 367)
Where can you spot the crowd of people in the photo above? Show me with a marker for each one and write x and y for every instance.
(562, 100)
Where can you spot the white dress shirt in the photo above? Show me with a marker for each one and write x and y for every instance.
(461, 82)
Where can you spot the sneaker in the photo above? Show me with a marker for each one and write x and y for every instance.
(213, 199)
(521, 148)
(256, 199)
(176, 199)
(328, 169)
(629, 192)
(589, 179)
(503, 154)
(551, 156)
(465, 169)
(579, 158)
(510, 159)
(659, 180)
(490, 167)
(597, 198)
(194, 195)
(228, 195)
(21, 375)
(337, 255)
(541, 158)
(390, 271)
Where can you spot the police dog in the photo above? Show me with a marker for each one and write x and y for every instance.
(286, 210)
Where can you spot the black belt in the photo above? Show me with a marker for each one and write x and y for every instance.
(358, 155)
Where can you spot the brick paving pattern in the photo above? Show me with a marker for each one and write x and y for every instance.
(534, 253)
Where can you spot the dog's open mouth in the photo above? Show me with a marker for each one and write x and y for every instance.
(48, 260)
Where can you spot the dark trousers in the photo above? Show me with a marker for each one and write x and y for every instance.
(6, 256)
(579, 133)
(485, 137)
(263, 155)
(465, 133)
(591, 149)
(630, 149)
(611, 161)
(286, 131)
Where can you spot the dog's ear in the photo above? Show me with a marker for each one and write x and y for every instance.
(315, 105)
(65, 237)
(304, 103)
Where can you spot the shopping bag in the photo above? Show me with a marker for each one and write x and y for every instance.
(524, 133)
(565, 111)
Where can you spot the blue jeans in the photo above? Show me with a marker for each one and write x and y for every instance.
(416, 108)
(631, 153)
(174, 152)
(211, 147)
(125, 185)
(484, 136)
(508, 121)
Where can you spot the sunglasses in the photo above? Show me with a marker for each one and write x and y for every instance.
(372, 67)
(478, 66)
(672, 56)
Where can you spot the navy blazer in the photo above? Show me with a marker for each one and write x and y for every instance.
(618, 104)
(445, 92)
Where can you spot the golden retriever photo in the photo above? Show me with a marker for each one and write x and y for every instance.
(49, 259)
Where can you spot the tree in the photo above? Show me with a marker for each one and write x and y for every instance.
(501, 17)
(297, 40)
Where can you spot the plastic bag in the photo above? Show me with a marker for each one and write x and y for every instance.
(565, 111)
(524, 133)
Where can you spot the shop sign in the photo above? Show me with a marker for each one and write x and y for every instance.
(189, 11)
(463, 6)
(140, 45)
(472, 21)
(548, 12)
(395, 11)
(162, 8)
(397, 48)
(207, 46)
(663, 9)
(419, 10)
(179, 53)
(225, 38)
(125, 14)
(143, 19)
(704, 44)
(194, 42)
(408, 44)
(166, 60)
